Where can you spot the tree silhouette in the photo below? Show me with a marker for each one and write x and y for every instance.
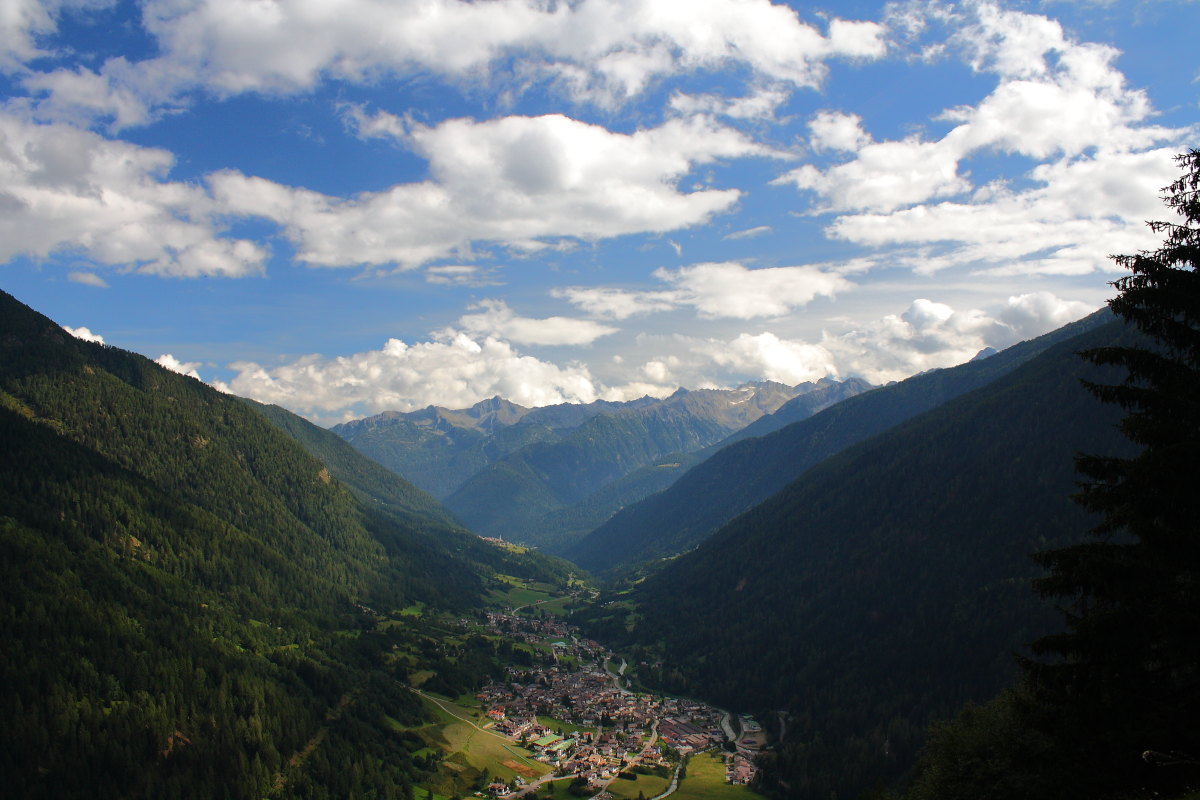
(1123, 680)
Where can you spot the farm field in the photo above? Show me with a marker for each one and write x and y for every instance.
(470, 751)
(648, 785)
(706, 781)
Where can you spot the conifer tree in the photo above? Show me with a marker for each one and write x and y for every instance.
(1120, 688)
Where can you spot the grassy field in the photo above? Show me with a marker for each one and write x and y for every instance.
(649, 785)
(470, 751)
(706, 781)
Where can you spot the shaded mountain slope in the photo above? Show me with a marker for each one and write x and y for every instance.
(747, 472)
(889, 584)
(184, 588)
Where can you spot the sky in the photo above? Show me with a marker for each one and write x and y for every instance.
(352, 206)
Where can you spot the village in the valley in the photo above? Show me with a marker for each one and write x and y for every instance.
(599, 730)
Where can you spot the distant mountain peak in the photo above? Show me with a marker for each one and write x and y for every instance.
(986, 352)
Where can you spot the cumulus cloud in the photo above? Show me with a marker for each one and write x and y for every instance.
(731, 290)
(175, 365)
(494, 318)
(835, 130)
(516, 181)
(67, 189)
(455, 371)
(1078, 214)
(1056, 101)
(933, 335)
(602, 51)
(84, 334)
(715, 290)
(765, 356)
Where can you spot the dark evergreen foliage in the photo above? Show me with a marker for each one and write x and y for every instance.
(886, 586)
(1109, 707)
(1128, 667)
(186, 593)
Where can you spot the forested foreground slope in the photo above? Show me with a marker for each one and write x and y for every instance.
(889, 584)
(747, 472)
(184, 588)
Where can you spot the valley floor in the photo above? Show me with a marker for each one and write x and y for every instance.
(563, 723)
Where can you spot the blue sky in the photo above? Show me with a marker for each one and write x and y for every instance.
(349, 206)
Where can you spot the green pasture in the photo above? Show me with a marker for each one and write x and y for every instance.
(706, 781)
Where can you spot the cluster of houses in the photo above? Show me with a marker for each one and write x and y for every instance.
(590, 727)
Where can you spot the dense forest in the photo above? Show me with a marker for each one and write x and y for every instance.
(887, 585)
(188, 595)
(1107, 707)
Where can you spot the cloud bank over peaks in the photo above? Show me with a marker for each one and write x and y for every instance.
(520, 182)
(458, 368)
(454, 370)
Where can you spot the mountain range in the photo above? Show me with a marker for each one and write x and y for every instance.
(547, 476)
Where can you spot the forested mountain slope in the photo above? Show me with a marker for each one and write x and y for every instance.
(887, 585)
(747, 472)
(184, 586)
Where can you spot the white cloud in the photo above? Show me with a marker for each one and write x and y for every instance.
(1082, 212)
(932, 335)
(66, 189)
(760, 105)
(380, 125)
(765, 356)
(1035, 313)
(715, 290)
(456, 371)
(87, 278)
(926, 335)
(885, 176)
(750, 233)
(20, 22)
(170, 362)
(613, 303)
(461, 275)
(1056, 101)
(731, 290)
(516, 181)
(458, 368)
(603, 51)
(496, 319)
(835, 130)
(85, 334)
